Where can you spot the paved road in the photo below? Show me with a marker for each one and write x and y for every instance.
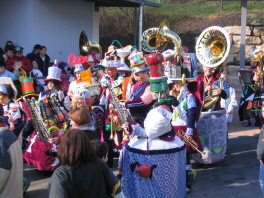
(235, 176)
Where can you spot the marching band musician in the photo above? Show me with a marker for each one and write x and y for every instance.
(184, 117)
(112, 122)
(78, 80)
(152, 147)
(83, 98)
(43, 154)
(211, 82)
(53, 81)
(141, 99)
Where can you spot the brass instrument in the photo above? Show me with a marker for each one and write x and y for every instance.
(192, 143)
(123, 114)
(212, 46)
(86, 46)
(148, 40)
(257, 55)
(210, 100)
(156, 39)
(166, 36)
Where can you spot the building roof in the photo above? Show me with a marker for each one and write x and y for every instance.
(124, 3)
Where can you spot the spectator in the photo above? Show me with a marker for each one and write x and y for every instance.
(11, 163)
(8, 44)
(33, 55)
(5, 73)
(101, 150)
(43, 60)
(81, 174)
(39, 83)
(9, 53)
(26, 64)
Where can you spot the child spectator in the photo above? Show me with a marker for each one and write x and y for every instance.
(5, 73)
(9, 52)
(26, 64)
(40, 84)
(101, 150)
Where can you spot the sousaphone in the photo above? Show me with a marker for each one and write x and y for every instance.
(156, 39)
(86, 46)
(212, 46)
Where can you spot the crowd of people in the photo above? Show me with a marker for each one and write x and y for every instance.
(75, 125)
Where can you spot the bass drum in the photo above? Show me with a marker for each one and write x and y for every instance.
(212, 131)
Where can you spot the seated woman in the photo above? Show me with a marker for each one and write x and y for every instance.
(81, 174)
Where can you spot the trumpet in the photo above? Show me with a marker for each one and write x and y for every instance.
(192, 143)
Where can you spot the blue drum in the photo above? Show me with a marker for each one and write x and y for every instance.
(212, 131)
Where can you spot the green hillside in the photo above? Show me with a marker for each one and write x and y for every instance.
(202, 7)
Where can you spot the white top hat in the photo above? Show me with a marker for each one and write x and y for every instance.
(111, 63)
(124, 68)
(54, 74)
(82, 92)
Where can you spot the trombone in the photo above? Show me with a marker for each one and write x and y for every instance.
(192, 143)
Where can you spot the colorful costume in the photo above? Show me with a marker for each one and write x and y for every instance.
(53, 108)
(141, 101)
(153, 167)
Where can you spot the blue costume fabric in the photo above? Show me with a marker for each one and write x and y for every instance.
(168, 179)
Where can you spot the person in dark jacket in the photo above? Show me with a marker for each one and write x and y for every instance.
(81, 174)
(101, 150)
(32, 56)
(43, 60)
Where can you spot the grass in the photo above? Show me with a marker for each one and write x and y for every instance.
(204, 7)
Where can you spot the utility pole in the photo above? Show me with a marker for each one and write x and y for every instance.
(243, 33)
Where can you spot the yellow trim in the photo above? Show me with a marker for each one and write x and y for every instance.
(115, 189)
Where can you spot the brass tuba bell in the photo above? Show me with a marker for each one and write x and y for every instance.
(166, 36)
(212, 46)
(148, 40)
(156, 39)
(86, 46)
